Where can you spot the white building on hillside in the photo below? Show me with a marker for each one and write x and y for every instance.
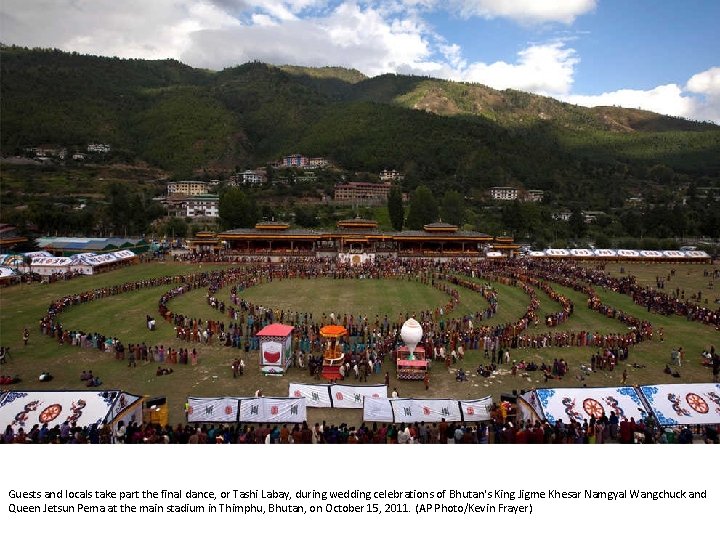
(504, 193)
(95, 147)
(202, 206)
(254, 177)
(390, 176)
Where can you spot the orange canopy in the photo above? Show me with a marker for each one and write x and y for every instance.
(333, 331)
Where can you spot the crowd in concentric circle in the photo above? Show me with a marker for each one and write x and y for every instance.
(449, 333)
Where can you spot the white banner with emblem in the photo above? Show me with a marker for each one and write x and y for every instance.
(316, 395)
(427, 410)
(345, 396)
(273, 409)
(341, 396)
(223, 409)
(476, 410)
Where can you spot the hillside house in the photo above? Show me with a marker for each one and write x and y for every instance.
(202, 206)
(504, 193)
(100, 148)
(362, 192)
(391, 176)
(187, 188)
(253, 177)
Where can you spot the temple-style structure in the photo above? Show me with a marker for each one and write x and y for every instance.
(353, 236)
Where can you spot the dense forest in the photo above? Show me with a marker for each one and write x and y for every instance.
(441, 134)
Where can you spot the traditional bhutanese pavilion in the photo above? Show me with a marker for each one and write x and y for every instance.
(205, 241)
(505, 245)
(357, 236)
(271, 237)
(441, 239)
(362, 236)
(275, 348)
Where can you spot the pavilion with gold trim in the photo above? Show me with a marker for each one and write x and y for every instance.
(357, 235)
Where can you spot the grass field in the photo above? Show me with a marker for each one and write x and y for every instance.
(123, 316)
(687, 277)
(393, 297)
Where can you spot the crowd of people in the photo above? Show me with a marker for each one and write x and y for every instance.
(134, 353)
(447, 334)
(496, 431)
(442, 331)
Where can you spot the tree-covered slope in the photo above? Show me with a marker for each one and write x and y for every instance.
(183, 119)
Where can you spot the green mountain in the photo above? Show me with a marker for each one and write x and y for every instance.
(445, 133)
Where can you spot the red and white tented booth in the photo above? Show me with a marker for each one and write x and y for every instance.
(275, 348)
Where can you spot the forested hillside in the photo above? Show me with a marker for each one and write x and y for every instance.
(184, 120)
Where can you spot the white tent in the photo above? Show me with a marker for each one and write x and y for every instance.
(628, 253)
(674, 254)
(552, 252)
(605, 253)
(85, 263)
(46, 266)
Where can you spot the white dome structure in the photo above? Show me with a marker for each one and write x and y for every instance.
(411, 333)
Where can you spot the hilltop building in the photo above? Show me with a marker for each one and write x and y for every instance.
(362, 192)
(509, 193)
(299, 161)
(188, 188)
(504, 193)
(199, 206)
(250, 177)
(391, 176)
